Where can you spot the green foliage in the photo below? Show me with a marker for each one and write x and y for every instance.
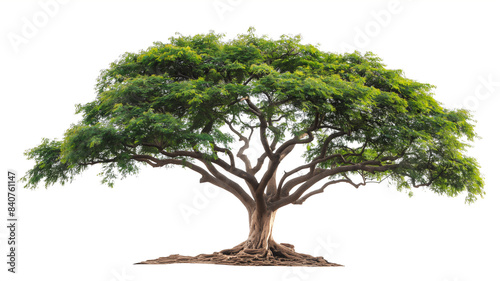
(178, 96)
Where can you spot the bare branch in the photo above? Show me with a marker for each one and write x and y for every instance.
(202, 157)
(263, 126)
(304, 198)
(240, 154)
(284, 189)
(326, 173)
(228, 152)
(262, 158)
(258, 165)
(320, 190)
(218, 179)
(272, 189)
(225, 179)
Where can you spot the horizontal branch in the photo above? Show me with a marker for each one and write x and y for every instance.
(320, 190)
(220, 181)
(326, 173)
(202, 157)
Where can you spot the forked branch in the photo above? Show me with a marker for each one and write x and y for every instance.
(320, 190)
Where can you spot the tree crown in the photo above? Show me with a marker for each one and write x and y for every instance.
(185, 102)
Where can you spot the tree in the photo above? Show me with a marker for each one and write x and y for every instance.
(187, 102)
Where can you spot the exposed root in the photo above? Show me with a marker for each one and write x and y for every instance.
(277, 255)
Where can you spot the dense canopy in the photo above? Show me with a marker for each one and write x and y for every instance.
(189, 101)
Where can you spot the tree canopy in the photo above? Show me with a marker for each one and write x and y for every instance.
(189, 101)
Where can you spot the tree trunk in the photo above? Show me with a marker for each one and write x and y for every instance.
(258, 249)
(261, 229)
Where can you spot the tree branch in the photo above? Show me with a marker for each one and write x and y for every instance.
(263, 126)
(224, 179)
(249, 79)
(202, 157)
(285, 189)
(326, 173)
(246, 145)
(320, 190)
(298, 139)
(217, 179)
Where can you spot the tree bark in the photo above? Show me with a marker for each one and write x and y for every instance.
(261, 229)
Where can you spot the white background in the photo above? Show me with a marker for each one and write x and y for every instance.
(87, 231)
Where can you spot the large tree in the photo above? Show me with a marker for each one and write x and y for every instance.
(189, 101)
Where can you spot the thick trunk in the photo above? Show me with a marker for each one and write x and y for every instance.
(261, 229)
(258, 249)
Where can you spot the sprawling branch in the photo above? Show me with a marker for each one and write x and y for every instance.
(326, 173)
(320, 190)
(225, 179)
(282, 151)
(284, 189)
(217, 179)
(202, 157)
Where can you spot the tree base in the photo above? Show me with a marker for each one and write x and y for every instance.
(278, 255)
